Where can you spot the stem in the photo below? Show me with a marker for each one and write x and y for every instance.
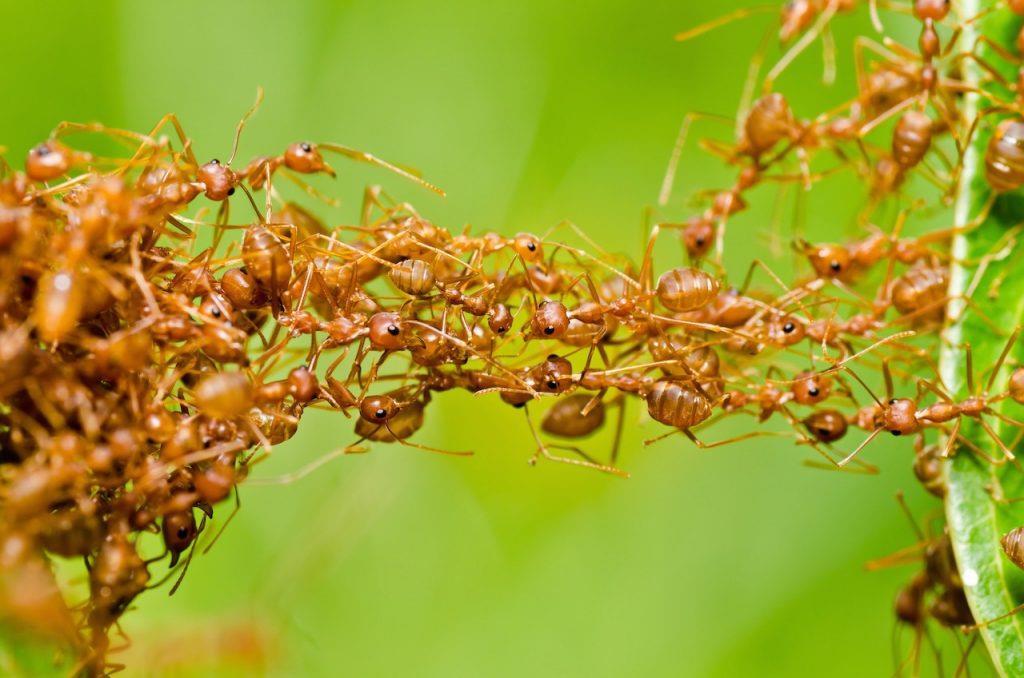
(976, 518)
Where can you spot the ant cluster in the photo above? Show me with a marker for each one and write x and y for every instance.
(150, 359)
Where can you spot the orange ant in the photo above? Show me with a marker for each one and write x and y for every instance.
(904, 416)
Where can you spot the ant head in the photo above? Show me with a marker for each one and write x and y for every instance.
(305, 157)
(216, 308)
(551, 320)
(528, 247)
(543, 279)
(797, 16)
(499, 319)
(49, 160)
(554, 375)
(1016, 385)
(811, 388)
(429, 348)
(786, 330)
(909, 606)
(218, 180)
(898, 417)
(240, 288)
(303, 384)
(828, 261)
(386, 331)
(179, 530)
(224, 394)
(378, 409)
(826, 426)
(935, 10)
(698, 235)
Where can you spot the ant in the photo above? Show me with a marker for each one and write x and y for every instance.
(904, 416)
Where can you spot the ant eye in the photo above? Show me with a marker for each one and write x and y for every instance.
(835, 266)
(895, 433)
(182, 532)
(552, 357)
(549, 330)
(788, 327)
(552, 384)
(380, 413)
(215, 312)
(823, 432)
(700, 241)
(531, 246)
(393, 330)
(501, 330)
(42, 149)
(306, 147)
(231, 191)
(215, 162)
(892, 401)
(813, 392)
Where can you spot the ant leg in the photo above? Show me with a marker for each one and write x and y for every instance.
(961, 666)
(881, 342)
(66, 127)
(848, 458)
(901, 52)
(304, 471)
(580, 233)
(745, 436)
(542, 451)
(975, 449)
(309, 189)
(188, 561)
(876, 20)
(234, 512)
(969, 359)
(362, 156)
(885, 115)
(1007, 452)
(426, 448)
(828, 56)
(585, 456)
(182, 137)
(981, 625)
(750, 84)
(1004, 418)
(665, 194)
(241, 125)
(619, 424)
(805, 40)
(723, 20)
(1002, 358)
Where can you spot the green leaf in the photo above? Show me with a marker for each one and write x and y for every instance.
(977, 519)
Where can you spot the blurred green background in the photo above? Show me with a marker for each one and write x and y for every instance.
(736, 562)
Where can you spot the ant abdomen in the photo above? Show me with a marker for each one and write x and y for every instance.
(1004, 157)
(1013, 546)
(681, 404)
(912, 138)
(266, 259)
(567, 420)
(413, 276)
(686, 289)
(826, 426)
